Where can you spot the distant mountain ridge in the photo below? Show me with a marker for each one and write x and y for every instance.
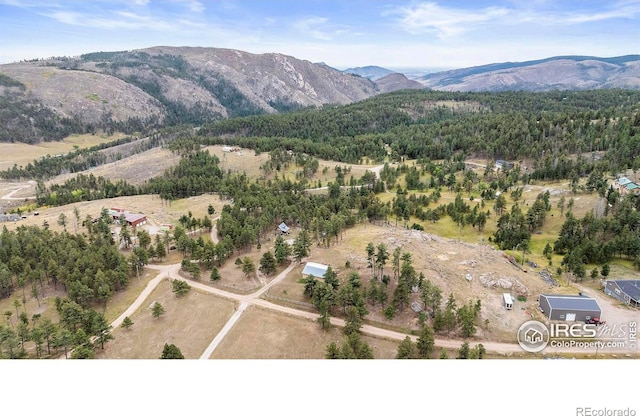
(159, 86)
(144, 89)
(372, 72)
(560, 72)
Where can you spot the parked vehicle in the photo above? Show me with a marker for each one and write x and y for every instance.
(595, 321)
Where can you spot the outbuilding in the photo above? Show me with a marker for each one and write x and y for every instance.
(507, 301)
(135, 220)
(283, 228)
(627, 291)
(315, 269)
(132, 219)
(569, 307)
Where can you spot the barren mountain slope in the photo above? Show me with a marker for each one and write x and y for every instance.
(559, 73)
(89, 96)
(149, 88)
(274, 77)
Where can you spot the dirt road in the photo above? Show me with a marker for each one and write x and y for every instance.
(172, 272)
(10, 195)
(214, 230)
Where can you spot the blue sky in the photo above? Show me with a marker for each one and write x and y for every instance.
(341, 33)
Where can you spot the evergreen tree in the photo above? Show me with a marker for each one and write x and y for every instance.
(406, 349)
(425, 342)
(180, 287)
(332, 351)
(331, 278)
(248, 268)
(301, 246)
(310, 283)
(157, 310)
(268, 263)
(170, 351)
(371, 250)
(463, 352)
(215, 274)
(282, 250)
(127, 323)
(101, 329)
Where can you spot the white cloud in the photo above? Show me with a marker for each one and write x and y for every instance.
(131, 18)
(312, 26)
(320, 28)
(125, 20)
(193, 6)
(445, 21)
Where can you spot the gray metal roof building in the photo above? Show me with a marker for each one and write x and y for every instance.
(627, 291)
(315, 269)
(569, 308)
(283, 228)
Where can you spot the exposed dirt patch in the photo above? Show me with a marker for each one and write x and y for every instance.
(446, 263)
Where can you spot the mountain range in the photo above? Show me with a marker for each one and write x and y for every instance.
(371, 71)
(159, 86)
(556, 73)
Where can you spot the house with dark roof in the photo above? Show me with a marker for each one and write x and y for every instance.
(627, 291)
(135, 220)
(503, 165)
(568, 307)
(132, 219)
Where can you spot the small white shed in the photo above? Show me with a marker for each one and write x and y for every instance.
(508, 301)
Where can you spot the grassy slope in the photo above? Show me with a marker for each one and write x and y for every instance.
(21, 153)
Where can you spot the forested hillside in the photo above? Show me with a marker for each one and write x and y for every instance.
(558, 131)
(552, 128)
(37, 262)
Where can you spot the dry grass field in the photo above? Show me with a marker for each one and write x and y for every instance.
(190, 322)
(21, 153)
(245, 160)
(158, 211)
(136, 169)
(265, 334)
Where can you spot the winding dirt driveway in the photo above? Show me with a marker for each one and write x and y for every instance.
(172, 272)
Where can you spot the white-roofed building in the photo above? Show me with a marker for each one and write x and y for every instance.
(315, 269)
